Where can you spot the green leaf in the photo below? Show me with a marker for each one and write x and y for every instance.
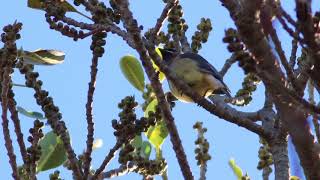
(137, 141)
(143, 147)
(43, 57)
(151, 107)
(158, 133)
(294, 178)
(53, 153)
(146, 149)
(236, 169)
(31, 114)
(38, 4)
(156, 68)
(132, 70)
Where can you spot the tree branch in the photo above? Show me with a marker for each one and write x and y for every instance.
(51, 113)
(132, 27)
(122, 170)
(228, 64)
(107, 159)
(294, 119)
(89, 109)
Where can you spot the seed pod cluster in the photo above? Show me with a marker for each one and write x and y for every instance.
(249, 85)
(177, 25)
(202, 149)
(265, 156)
(246, 62)
(201, 35)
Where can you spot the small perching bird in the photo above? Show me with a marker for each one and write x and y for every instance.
(197, 72)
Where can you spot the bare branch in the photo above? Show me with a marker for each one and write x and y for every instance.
(107, 159)
(122, 170)
(228, 64)
(270, 73)
(304, 15)
(17, 127)
(164, 15)
(293, 55)
(282, 56)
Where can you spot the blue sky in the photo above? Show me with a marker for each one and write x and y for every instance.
(67, 84)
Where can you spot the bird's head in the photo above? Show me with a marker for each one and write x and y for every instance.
(168, 54)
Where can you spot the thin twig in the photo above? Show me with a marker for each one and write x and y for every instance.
(185, 45)
(5, 122)
(314, 116)
(80, 13)
(17, 127)
(228, 64)
(290, 31)
(293, 55)
(90, 123)
(122, 170)
(164, 15)
(288, 17)
(283, 59)
(107, 159)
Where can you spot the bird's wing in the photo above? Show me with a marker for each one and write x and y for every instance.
(205, 66)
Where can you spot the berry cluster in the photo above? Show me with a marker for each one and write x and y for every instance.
(34, 151)
(129, 126)
(145, 166)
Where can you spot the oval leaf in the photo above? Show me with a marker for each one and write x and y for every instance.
(236, 169)
(43, 57)
(38, 4)
(157, 134)
(132, 70)
(146, 149)
(53, 153)
(31, 114)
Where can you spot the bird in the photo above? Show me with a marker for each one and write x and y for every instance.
(196, 71)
